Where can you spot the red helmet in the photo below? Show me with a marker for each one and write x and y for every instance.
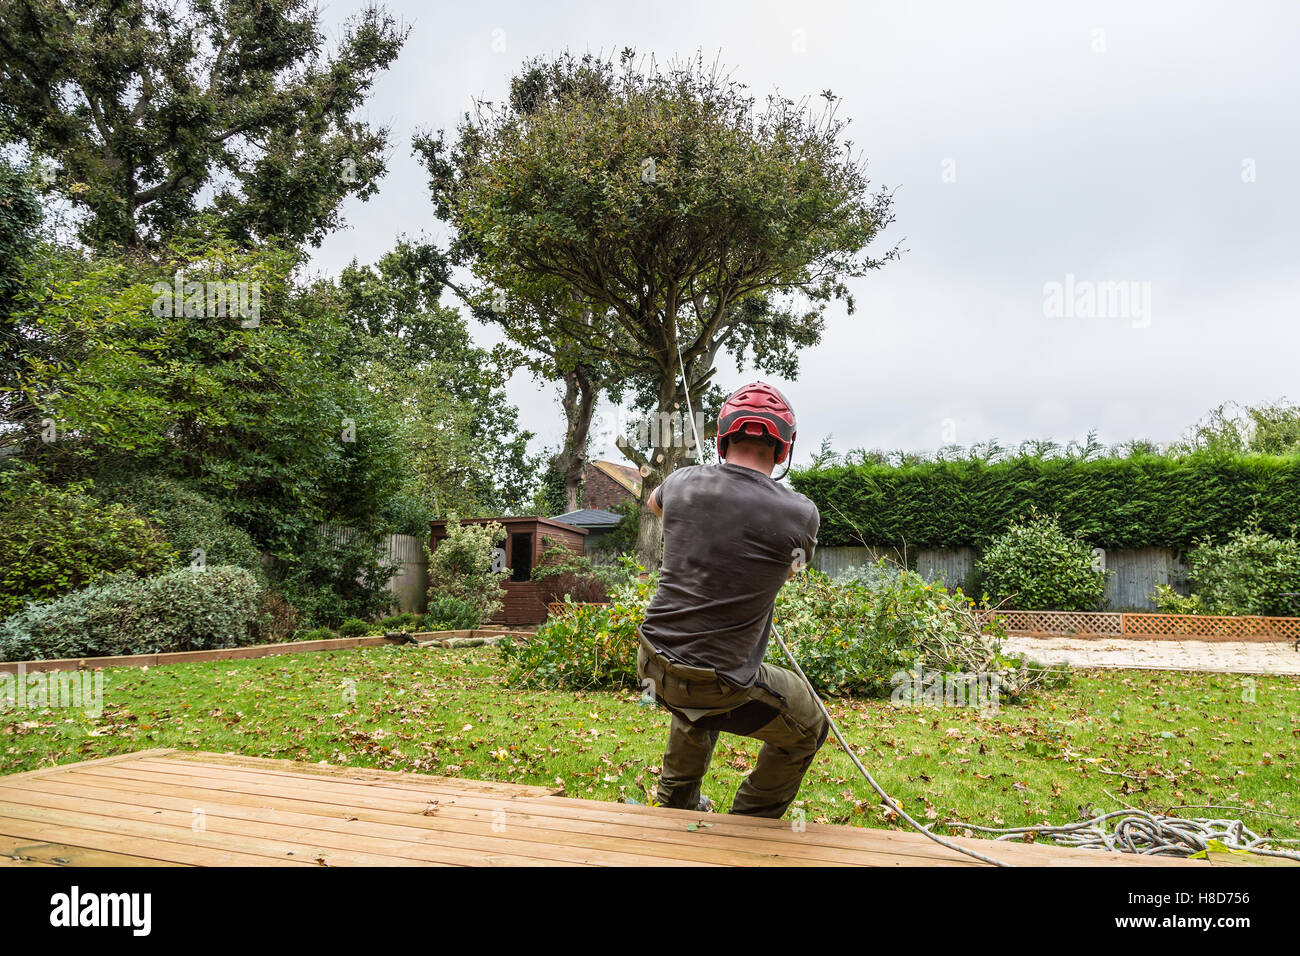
(757, 409)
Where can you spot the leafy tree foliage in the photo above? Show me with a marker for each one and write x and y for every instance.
(648, 219)
(152, 112)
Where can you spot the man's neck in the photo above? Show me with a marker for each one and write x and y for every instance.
(753, 462)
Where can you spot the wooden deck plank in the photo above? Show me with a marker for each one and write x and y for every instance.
(453, 819)
(14, 850)
(387, 777)
(138, 809)
(788, 843)
(155, 849)
(906, 844)
(454, 847)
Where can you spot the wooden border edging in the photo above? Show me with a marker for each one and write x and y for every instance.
(424, 638)
(181, 657)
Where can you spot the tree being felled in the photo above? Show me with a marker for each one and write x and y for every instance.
(652, 218)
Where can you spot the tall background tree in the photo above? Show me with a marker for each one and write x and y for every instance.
(150, 112)
(652, 218)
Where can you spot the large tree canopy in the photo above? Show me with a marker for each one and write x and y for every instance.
(152, 111)
(650, 218)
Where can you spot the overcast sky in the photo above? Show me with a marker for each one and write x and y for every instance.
(1153, 145)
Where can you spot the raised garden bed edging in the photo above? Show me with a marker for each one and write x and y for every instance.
(181, 657)
(424, 638)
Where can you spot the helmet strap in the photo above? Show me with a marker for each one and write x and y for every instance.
(789, 460)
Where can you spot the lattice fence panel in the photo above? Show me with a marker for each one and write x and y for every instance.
(1195, 627)
(1063, 623)
(1206, 627)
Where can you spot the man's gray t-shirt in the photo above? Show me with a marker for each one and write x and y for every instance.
(731, 535)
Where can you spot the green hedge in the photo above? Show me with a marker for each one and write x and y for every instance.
(1137, 502)
(178, 611)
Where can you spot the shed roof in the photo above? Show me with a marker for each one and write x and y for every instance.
(590, 518)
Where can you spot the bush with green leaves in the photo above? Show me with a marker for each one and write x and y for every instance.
(181, 610)
(317, 634)
(451, 614)
(564, 575)
(1035, 566)
(460, 566)
(337, 574)
(1252, 572)
(192, 523)
(399, 622)
(353, 627)
(57, 539)
(1168, 600)
(586, 646)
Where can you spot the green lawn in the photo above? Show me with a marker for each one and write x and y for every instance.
(1149, 739)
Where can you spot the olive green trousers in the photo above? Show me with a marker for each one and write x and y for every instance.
(778, 709)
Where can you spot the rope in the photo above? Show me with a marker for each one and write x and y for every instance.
(686, 389)
(885, 798)
(1148, 834)
(1132, 830)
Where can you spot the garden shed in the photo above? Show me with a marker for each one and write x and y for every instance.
(527, 538)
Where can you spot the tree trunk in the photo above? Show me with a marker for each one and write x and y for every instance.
(649, 536)
(579, 404)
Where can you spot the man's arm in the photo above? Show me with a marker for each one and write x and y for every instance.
(655, 506)
(803, 555)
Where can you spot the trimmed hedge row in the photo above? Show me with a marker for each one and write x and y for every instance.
(1138, 502)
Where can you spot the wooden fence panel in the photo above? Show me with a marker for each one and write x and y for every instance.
(1136, 572)
(948, 566)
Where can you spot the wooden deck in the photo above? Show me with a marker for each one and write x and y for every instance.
(175, 808)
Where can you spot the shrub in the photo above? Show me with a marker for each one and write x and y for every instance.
(461, 567)
(338, 573)
(277, 619)
(189, 521)
(353, 627)
(58, 539)
(178, 611)
(1035, 566)
(1246, 574)
(398, 622)
(1169, 601)
(586, 647)
(451, 614)
(848, 637)
(564, 575)
(319, 634)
